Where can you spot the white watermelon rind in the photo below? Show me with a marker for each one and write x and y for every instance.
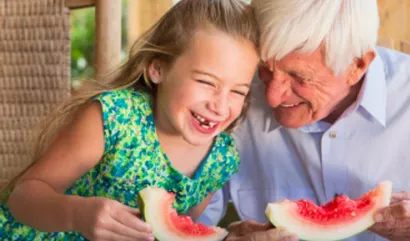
(151, 200)
(283, 215)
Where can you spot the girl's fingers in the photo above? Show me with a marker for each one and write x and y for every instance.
(107, 235)
(132, 221)
(123, 230)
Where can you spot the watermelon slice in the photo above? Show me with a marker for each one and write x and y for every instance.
(337, 220)
(167, 225)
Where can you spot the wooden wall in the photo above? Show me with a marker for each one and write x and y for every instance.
(394, 20)
(395, 24)
(142, 14)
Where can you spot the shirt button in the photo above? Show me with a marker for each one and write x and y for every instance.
(333, 134)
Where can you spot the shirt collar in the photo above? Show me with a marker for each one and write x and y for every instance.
(372, 98)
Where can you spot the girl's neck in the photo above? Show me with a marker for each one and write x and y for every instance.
(184, 157)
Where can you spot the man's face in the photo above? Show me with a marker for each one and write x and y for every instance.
(302, 89)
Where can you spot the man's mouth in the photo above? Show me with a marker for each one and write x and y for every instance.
(291, 105)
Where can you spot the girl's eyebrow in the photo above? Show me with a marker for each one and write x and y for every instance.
(197, 71)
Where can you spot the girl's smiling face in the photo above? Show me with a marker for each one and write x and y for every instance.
(204, 90)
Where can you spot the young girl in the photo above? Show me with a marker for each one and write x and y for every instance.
(159, 121)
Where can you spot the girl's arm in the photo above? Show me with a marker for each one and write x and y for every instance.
(38, 200)
(196, 211)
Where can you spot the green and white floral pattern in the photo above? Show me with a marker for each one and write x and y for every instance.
(134, 159)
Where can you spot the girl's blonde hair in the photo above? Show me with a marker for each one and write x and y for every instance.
(166, 40)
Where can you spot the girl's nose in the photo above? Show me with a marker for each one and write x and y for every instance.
(219, 105)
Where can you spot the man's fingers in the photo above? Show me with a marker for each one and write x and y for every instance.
(398, 210)
(270, 235)
(246, 227)
(399, 196)
(280, 235)
(393, 229)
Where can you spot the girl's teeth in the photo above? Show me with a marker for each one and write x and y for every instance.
(204, 123)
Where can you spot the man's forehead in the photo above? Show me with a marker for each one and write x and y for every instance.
(297, 61)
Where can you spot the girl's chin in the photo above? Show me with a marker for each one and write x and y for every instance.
(199, 141)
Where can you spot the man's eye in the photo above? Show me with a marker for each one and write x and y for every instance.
(298, 78)
(295, 75)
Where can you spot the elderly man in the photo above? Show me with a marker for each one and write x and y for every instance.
(330, 114)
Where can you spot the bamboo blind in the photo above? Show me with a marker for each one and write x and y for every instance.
(34, 73)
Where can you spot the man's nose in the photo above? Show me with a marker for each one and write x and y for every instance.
(277, 89)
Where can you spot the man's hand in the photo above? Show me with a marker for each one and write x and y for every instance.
(254, 231)
(393, 222)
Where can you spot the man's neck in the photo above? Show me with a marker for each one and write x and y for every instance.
(345, 103)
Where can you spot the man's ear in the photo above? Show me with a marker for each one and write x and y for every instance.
(155, 71)
(360, 66)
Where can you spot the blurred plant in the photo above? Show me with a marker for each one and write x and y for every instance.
(82, 42)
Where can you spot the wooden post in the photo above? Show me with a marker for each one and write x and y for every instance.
(73, 4)
(393, 20)
(405, 47)
(142, 14)
(107, 36)
(386, 42)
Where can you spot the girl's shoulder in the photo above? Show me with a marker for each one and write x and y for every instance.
(124, 97)
(223, 161)
(125, 100)
(122, 105)
(225, 148)
(226, 140)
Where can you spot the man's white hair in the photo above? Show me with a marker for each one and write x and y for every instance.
(347, 28)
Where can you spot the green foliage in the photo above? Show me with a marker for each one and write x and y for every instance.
(83, 44)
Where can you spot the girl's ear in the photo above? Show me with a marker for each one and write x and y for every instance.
(155, 71)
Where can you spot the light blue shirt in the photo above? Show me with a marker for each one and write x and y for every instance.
(369, 143)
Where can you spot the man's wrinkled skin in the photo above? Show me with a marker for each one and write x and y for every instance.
(393, 222)
(254, 231)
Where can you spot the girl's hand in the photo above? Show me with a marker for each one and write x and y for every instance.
(103, 219)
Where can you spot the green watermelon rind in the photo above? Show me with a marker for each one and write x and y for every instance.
(283, 215)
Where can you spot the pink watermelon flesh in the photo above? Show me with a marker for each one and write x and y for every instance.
(167, 225)
(338, 219)
(339, 210)
(185, 225)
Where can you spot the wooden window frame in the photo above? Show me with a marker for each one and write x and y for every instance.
(107, 33)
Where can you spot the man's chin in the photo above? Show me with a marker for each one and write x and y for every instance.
(290, 123)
